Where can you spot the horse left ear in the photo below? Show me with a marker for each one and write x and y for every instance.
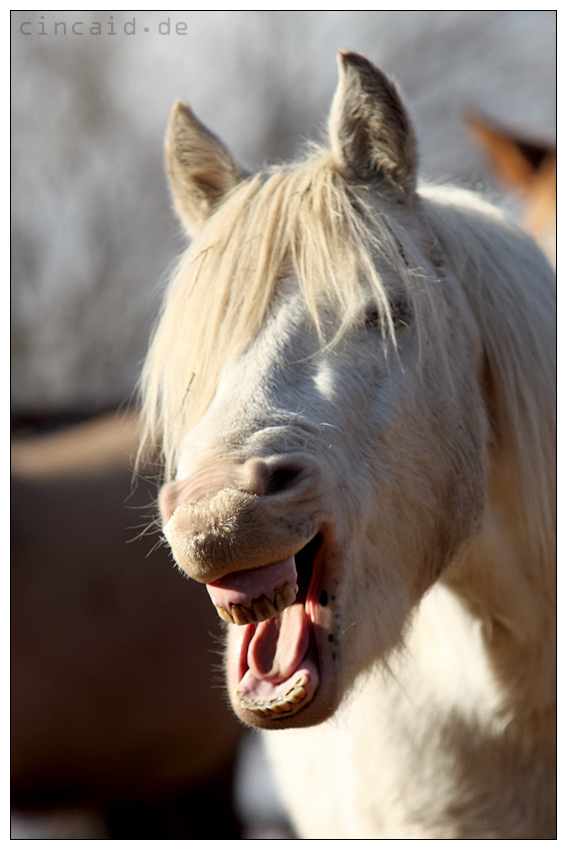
(371, 134)
(201, 170)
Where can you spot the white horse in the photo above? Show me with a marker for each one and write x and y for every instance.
(352, 383)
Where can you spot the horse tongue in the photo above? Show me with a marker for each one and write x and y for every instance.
(279, 645)
(241, 588)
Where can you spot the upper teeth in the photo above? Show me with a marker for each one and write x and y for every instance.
(261, 608)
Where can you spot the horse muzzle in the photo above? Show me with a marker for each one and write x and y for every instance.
(258, 535)
(237, 517)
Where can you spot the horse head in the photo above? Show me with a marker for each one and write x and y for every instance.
(352, 385)
(322, 410)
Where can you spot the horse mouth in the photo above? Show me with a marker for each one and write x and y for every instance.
(274, 656)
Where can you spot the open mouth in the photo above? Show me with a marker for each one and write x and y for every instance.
(275, 665)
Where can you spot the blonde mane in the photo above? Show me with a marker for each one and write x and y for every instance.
(509, 286)
(304, 218)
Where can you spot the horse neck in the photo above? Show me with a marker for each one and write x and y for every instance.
(506, 580)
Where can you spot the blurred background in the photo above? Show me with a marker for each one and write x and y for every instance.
(92, 230)
(102, 674)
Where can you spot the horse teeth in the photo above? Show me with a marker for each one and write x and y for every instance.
(241, 615)
(285, 596)
(264, 609)
(276, 705)
(261, 608)
(282, 707)
(224, 615)
(278, 601)
(297, 695)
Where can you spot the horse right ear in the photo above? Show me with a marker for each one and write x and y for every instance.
(200, 168)
(372, 138)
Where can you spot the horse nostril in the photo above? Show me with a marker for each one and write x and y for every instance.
(167, 501)
(281, 478)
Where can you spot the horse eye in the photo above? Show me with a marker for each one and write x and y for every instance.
(372, 317)
(401, 315)
(400, 312)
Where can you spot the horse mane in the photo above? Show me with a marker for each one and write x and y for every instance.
(510, 288)
(303, 218)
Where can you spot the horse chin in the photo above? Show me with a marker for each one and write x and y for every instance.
(282, 673)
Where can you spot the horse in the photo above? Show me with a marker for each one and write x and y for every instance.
(528, 167)
(118, 724)
(350, 387)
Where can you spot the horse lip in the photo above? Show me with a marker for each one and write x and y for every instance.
(235, 530)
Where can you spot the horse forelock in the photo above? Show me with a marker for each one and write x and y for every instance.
(303, 219)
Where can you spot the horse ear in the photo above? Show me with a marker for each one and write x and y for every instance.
(512, 160)
(371, 134)
(200, 168)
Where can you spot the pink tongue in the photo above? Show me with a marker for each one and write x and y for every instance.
(242, 587)
(279, 645)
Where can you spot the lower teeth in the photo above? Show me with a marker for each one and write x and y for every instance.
(277, 705)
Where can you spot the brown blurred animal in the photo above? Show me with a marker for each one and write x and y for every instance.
(527, 167)
(114, 701)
